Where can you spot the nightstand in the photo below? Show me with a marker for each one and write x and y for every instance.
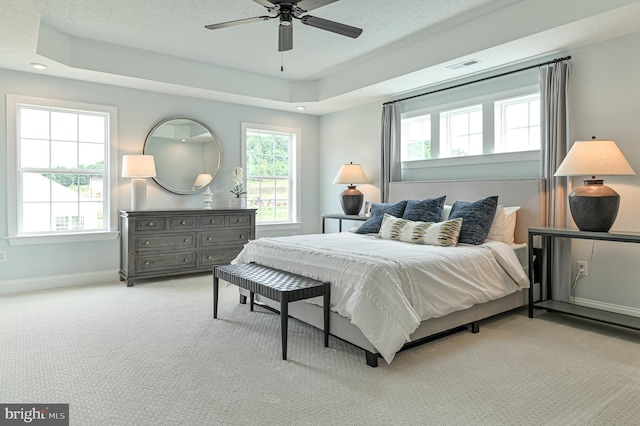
(340, 217)
(547, 236)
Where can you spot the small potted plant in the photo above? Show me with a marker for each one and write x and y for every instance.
(238, 189)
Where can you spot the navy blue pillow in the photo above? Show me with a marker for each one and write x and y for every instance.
(477, 218)
(428, 210)
(372, 225)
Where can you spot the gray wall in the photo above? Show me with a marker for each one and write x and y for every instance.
(34, 266)
(605, 95)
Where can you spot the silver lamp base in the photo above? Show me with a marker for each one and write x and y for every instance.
(594, 206)
(351, 200)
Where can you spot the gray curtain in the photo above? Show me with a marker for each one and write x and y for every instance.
(390, 148)
(554, 104)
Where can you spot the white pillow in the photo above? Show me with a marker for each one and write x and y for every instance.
(504, 224)
(510, 224)
(443, 234)
(446, 210)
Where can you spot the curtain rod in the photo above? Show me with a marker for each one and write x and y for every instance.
(553, 61)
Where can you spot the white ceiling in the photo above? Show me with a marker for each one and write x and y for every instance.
(162, 45)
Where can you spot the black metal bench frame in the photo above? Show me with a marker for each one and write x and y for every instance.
(280, 286)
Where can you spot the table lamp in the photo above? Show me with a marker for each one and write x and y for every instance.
(204, 179)
(351, 198)
(138, 167)
(594, 206)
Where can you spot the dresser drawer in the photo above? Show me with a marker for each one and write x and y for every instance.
(213, 257)
(184, 260)
(211, 221)
(240, 235)
(151, 224)
(157, 242)
(188, 222)
(237, 220)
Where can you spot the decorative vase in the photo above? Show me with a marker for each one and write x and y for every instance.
(237, 202)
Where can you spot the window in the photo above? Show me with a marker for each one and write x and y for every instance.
(467, 130)
(517, 122)
(461, 132)
(61, 165)
(270, 162)
(416, 138)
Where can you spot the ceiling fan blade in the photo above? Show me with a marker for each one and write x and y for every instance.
(314, 4)
(265, 3)
(334, 27)
(285, 37)
(237, 22)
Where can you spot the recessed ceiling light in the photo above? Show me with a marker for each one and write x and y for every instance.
(38, 66)
(300, 107)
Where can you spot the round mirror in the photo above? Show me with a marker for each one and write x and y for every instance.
(187, 154)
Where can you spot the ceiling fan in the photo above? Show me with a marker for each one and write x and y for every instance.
(286, 11)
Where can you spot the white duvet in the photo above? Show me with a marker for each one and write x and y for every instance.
(388, 287)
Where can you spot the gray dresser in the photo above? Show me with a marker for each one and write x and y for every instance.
(161, 243)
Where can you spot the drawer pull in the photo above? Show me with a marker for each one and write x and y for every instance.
(147, 263)
(184, 222)
(238, 220)
(209, 238)
(150, 223)
(241, 236)
(212, 221)
(146, 243)
(208, 257)
(186, 240)
(186, 259)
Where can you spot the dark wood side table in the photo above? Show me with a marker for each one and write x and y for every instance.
(547, 236)
(340, 217)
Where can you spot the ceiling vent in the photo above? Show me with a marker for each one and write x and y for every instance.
(463, 64)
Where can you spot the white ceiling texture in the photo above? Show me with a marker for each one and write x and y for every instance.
(162, 45)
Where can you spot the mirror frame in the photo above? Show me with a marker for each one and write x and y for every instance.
(215, 139)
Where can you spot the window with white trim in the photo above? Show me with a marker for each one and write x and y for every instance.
(517, 124)
(463, 130)
(271, 161)
(61, 165)
(416, 138)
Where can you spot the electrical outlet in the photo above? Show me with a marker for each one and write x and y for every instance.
(3, 256)
(583, 266)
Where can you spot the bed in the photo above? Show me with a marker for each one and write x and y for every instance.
(388, 295)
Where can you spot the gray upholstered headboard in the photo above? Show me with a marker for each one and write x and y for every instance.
(528, 193)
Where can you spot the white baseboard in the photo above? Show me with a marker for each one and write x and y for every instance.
(41, 283)
(618, 309)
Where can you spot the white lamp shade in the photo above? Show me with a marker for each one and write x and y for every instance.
(351, 174)
(138, 166)
(203, 179)
(594, 158)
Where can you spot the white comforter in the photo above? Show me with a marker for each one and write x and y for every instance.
(387, 287)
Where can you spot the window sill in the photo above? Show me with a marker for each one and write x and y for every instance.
(507, 157)
(24, 240)
(279, 226)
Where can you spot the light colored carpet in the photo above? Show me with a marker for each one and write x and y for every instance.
(153, 355)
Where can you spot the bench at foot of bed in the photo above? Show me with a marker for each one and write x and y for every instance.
(283, 287)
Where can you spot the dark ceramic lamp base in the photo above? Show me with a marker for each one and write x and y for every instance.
(351, 200)
(594, 206)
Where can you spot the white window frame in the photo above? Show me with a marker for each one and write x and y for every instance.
(294, 177)
(500, 108)
(488, 156)
(14, 182)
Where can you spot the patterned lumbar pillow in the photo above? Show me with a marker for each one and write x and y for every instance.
(444, 234)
